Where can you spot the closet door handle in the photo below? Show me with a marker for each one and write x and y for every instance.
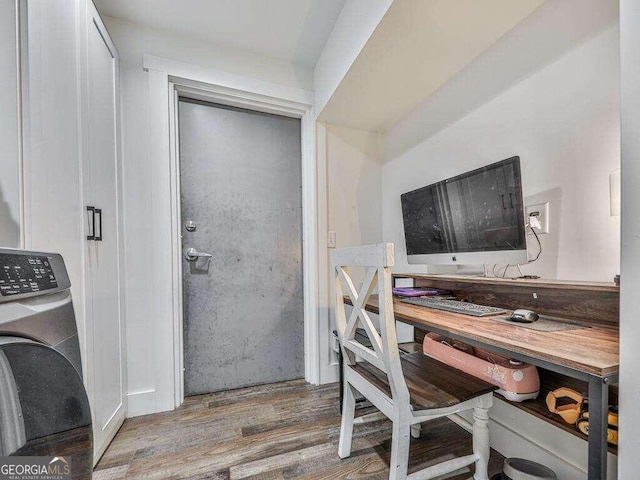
(91, 220)
(98, 213)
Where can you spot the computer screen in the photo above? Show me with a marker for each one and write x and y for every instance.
(478, 211)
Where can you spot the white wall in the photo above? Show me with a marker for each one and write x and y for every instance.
(354, 208)
(147, 379)
(9, 153)
(134, 40)
(342, 154)
(629, 461)
(354, 185)
(349, 190)
(357, 21)
(563, 122)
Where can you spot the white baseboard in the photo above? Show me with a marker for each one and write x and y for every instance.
(515, 433)
(141, 403)
(330, 374)
(114, 425)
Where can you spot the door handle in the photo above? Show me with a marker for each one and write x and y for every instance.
(191, 255)
(98, 236)
(91, 219)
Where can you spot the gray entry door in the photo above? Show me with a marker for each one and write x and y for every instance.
(240, 175)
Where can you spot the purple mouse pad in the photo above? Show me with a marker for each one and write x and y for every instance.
(418, 291)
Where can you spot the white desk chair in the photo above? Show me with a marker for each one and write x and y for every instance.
(408, 389)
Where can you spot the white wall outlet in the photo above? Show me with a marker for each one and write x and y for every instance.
(331, 239)
(541, 212)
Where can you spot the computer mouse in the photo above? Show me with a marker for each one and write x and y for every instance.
(524, 316)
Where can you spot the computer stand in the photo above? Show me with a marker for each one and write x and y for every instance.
(485, 272)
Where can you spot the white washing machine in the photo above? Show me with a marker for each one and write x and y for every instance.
(44, 408)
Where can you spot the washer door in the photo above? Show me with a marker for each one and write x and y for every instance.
(44, 409)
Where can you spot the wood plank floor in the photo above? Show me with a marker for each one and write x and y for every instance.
(279, 431)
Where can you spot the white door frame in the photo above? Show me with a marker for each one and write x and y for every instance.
(170, 80)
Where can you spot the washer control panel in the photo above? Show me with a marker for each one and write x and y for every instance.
(25, 274)
(29, 274)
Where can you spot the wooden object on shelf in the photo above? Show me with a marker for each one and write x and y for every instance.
(593, 303)
(550, 381)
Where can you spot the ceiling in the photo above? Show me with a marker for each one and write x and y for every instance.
(553, 30)
(418, 47)
(292, 30)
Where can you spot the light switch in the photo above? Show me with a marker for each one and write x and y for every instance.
(331, 239)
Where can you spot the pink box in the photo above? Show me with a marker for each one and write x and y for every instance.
(517, 381)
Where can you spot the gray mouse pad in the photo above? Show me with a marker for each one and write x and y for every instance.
(543, 324)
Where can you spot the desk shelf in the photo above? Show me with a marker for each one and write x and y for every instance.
(549, 381)
(581, 302)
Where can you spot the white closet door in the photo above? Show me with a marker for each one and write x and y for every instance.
(106, 346)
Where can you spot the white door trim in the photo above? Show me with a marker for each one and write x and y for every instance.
(210, 78)
(168, 80)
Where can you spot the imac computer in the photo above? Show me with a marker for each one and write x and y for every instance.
(471, 219)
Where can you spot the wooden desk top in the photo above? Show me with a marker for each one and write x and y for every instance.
(591, 350)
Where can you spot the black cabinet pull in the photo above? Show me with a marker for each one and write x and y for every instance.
(91, 218)
(98, 212)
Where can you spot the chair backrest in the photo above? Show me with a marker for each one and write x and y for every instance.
(384, 354)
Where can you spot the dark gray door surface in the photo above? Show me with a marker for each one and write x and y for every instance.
(240, 174)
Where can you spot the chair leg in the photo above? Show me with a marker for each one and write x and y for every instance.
(481, 441)
(416, 429)
(348, 414)
(399, 450)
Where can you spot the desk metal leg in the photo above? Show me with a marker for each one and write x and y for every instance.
(598, 411)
